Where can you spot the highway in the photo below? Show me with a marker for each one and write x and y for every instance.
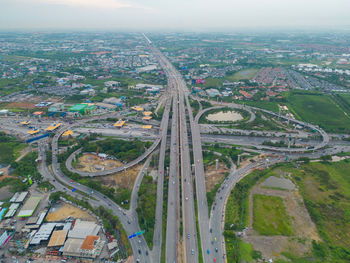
(173, 186)
(190, 244)
(157, 236)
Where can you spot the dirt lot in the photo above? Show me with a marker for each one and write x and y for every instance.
(5, 192)
(213, 177)
(304, 229)
(63, 210)
(122, 179)
(92, 163)
(22, 105)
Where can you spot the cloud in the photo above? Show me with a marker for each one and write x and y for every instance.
(104, 4)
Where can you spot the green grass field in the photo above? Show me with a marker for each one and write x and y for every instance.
(212, 82)
(270, 216)
(319, 109)
(245, 74)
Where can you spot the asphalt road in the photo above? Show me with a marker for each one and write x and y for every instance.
(172, 213)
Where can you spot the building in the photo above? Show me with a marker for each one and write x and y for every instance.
(112, 84)
(90, 247)
(213, 92)
(67, 133)
(56, 107)
(58, 238)
(246, 94)
(137, 108)
(53, 127)
(89, 91)
(4, 112)
(80, 108)
(43, 234)
(106, 106)
(29, 206)
(112, 100)
(119, 124)
(83, 228)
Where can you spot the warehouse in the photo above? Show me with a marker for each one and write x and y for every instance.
(29, 207)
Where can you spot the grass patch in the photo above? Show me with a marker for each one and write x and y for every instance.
(146, 208)
(270, 216)
(245, 74)
(319, 109)
(10, 148)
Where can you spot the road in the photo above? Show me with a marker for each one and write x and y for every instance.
(157, 236)
(173, 186)
(62, 183)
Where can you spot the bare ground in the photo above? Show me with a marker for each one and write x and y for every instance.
(5, 192)
(304, 229)
(65, 210)
(213, 177)
(122, 179)
(92, 163)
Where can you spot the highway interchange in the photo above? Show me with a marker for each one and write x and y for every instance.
(187, 202)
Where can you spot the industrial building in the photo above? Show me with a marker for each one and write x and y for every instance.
(56, 107)
(29, 207)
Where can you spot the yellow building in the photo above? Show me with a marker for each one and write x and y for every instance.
(147, 118)
(67, 133)
(119, 124)
(25, 122)
(53, 126)
(34, 131)
(137, 108)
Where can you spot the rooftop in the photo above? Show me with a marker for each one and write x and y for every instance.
(89, 242)
(58, 237)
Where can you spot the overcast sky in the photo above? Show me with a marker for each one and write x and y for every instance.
(172, 14)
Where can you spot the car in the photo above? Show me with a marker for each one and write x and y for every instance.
(188, 236)
(208, 251)
(129, 222)
(211, 230)
(139, 251)
(216, 249)
(192, 251)
(214, 260)
(186, 198)
(71, 181)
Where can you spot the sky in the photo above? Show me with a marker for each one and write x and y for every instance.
(184, 15)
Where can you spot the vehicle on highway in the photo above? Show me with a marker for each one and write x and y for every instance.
(216, 249)
(192, 251)
(188, 236)
(214, 260)
(208, 251)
